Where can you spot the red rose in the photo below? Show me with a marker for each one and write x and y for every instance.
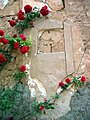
(41, 108)
(16, 45)
(22, 68)
(12, 23)
(4, 41)
(68, 80)
(20, 11)
(2, 58)
(83, 79)
(27, 8)
(23, 37)
(21, 15)
(45, 99)
(15, 35)
(31, 23)
(24, 49)
(44, 11)
(0, 39)
(61, 84)
(16, 20)
(1, 33)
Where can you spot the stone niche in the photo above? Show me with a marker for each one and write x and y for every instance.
(51, 56)
(51, 41)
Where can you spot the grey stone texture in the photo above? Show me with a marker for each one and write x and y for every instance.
(80, 105)
(24, 104)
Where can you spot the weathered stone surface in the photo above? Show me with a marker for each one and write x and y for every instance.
(3, 3)
(68, 48)
(10, 10)
(61, 107)
(1, 24)
(55, 4)
(51, 41)
(50, 24)
(23, 104)
(88, 13)
(80, 105)
(49, 69)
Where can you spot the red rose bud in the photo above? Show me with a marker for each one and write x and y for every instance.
(83, 79)
(23, 37)
(24, 49)
(61, 84)
(2, 58)
(31, 23)
(16, 20)
(1, 33)
(16, 45)
(12, 23)
(21, 12)
(27, 8)
(4, 41)
(44, 11)
(15, 35)
(45, 99)
(68, 80)
(22, 68)
(41, 108)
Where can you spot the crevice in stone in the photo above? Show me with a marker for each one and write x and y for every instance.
(63, 3)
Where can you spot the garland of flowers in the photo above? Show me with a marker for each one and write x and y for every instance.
(25, 19)
(23, 44)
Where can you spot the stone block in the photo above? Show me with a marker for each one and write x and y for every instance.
(55, 4)
(68, 47)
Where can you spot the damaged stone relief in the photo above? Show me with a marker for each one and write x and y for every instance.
(51, 41)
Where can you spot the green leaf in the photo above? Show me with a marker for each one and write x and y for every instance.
(52, 107)
(57, 96)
